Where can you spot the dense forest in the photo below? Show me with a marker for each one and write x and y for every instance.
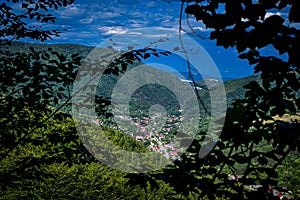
(42, 156)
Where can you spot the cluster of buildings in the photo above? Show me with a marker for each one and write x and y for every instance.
(163, 140)
(156, 138)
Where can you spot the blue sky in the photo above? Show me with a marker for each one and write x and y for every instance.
(89, 22)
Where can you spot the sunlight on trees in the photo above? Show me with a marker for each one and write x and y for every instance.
(258, 152)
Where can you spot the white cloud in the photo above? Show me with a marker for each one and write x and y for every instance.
(110, 30)
(89, 19)
(137, 23)
(96, 17)
(71, 11)
(151, 4)
(269, 14)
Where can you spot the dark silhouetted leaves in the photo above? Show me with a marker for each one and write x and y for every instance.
(294, 15)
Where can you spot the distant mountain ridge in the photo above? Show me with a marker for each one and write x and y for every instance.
(60, 48)
(234, 87)
(83, 52)
(198, 77)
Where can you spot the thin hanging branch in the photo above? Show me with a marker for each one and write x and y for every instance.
(188, 62)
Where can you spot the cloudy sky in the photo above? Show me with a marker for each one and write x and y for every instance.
(90, 22)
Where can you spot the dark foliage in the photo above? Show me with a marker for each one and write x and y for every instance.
(41, 154)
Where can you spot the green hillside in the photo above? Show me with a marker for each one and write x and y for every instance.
(234, 88)
(47, 155)
(142, 99)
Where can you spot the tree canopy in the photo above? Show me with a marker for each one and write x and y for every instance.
(14, 22)
(41, 155)
(251, 122)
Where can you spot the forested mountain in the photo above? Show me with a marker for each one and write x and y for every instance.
(234, 88)
(47, 153)
(54, 150)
